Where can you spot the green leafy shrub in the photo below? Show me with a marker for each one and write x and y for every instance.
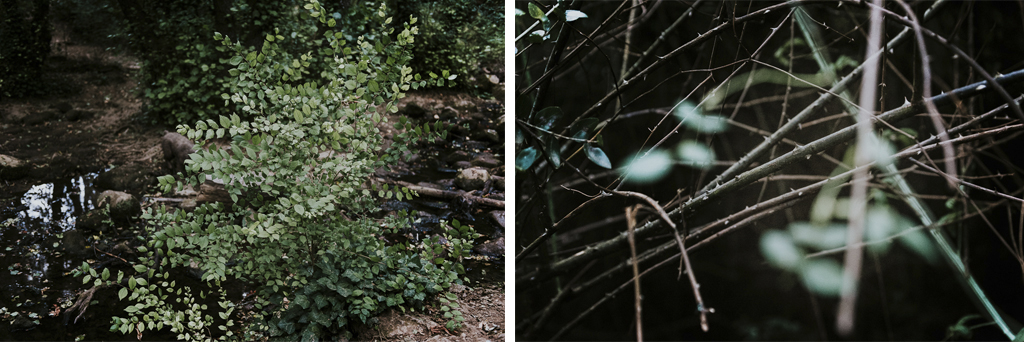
(458, 36)
(297, 228)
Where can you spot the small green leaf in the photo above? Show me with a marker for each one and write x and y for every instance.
(525, 158)
(778, 247)
(581, 129)
(572, 15)
(648, 169)
(696, 154)
(235, 60)
(538, 36)
(596, 155)
(123, 293)
(535, 11)
(820, 237)
(546, 117)
(552, 149)
(822, 276)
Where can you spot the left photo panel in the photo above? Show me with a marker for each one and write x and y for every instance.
(245, 170)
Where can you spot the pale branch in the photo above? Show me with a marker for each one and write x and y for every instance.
(866, 141)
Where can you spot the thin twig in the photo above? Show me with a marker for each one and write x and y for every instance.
(631, 224)
(926, 92)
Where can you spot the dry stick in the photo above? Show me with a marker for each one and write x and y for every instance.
(610, 245)
(682, 254)
(649, 255)
(866, 141)
(631, 224)
(685, 259)
(445, 194)
(794, 123)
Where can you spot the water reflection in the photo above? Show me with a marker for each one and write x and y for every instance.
(55, 206)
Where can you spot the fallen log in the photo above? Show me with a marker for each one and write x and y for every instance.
(446, 194)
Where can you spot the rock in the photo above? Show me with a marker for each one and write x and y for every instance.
(498, 182)
(212, 192)
(486, 160)
(22, 323)
(462, 165)
(394, 324)
(475, 145)
(498, 92)
(176, 150)
(12, 168)
(492, 248)
(123, 248)
(63, 107)
(412, 109)
(76, 115)
(448, 113)
(457, 288)
(15, 115)
(472, 178)
(40, 117)
(73, 243)
(498, 217)
(133, 178)
(492, 135)
(464, 105)
(457, 156)
(123, 206)
(93, 221)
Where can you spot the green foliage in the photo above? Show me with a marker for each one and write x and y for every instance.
(297, 227)
(184, 67)
(24, 46)
(788, 249)
(458, 36)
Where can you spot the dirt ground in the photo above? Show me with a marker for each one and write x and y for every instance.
(92, 121)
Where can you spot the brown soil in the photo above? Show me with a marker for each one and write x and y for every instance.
(103, 88)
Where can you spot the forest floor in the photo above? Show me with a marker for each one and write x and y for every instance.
(92, 120)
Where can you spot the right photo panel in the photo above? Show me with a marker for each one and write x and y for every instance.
(768, 170)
